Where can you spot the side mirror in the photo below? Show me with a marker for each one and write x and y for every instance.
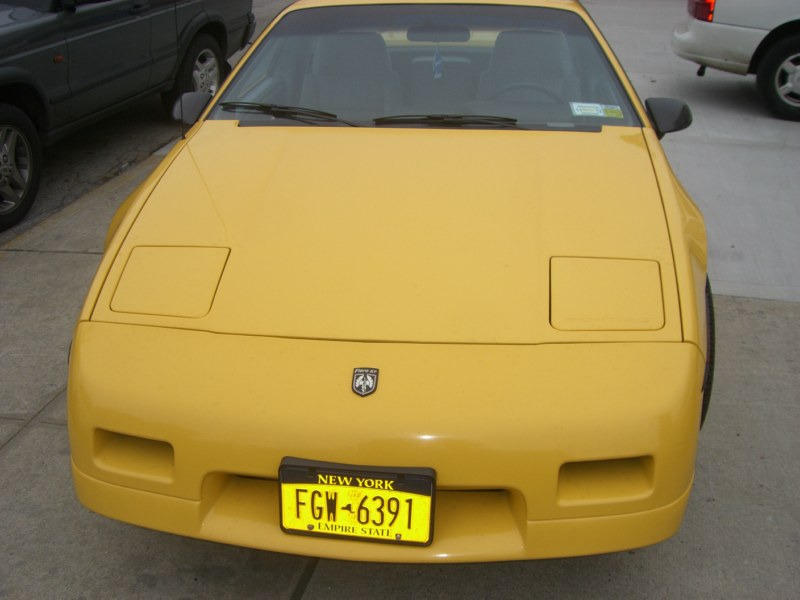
(189, 106)
(68, 5)
(668, 115)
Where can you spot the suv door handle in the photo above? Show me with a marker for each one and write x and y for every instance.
(139, 7)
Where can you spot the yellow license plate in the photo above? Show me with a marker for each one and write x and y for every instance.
(367, 503)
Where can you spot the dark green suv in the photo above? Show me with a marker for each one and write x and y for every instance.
(65, 63)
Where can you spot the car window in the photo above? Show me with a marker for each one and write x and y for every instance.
(537, 67)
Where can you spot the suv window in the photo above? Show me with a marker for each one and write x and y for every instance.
(38, 5)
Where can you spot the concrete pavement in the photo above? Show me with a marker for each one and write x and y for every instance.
(736, 160)
(741, 535)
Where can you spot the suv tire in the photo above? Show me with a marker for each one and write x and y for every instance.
(779, 67)
(20, 164)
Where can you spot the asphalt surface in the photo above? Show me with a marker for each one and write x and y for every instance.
(741, 534)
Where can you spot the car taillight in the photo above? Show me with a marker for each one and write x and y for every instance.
(702, 9)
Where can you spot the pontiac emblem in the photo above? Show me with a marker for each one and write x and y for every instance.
(365, 381)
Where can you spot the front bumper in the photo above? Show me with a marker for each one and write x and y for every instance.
(540, 451)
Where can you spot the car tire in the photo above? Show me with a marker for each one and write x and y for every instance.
(708, 377)
(203, 69)
(20, 164)
(778, 78)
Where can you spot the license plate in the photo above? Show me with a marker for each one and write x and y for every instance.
(367, 503)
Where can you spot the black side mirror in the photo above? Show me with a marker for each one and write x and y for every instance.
(68, 5)
(188, 107)
(668, 115)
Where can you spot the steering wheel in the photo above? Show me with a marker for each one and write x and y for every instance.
(525, 85)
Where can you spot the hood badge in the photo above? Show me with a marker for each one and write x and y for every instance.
(365, 380)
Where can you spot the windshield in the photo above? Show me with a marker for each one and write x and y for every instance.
(429, 65)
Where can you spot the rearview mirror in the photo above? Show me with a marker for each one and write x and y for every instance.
(189, 106)
(668, 115)
(438, 33)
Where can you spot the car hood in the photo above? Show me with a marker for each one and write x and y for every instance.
(405, 235)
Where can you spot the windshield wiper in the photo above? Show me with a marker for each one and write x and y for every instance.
(447, 120)
(295, 113)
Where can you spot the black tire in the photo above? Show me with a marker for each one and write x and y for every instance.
(779, 87)
(203, 69)
(20, 164)
(708, 377)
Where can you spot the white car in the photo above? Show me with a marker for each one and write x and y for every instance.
(746, 37)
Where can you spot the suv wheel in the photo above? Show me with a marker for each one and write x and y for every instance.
(779, 78)
(203, 69)
(20, 164)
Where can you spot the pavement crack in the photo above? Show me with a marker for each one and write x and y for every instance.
(305, 579)
(36, 418)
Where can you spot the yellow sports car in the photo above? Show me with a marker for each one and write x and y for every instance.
(418, 285)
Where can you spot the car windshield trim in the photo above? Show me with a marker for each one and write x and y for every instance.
(311, 116)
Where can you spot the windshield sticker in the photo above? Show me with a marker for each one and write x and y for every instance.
(589, 109)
